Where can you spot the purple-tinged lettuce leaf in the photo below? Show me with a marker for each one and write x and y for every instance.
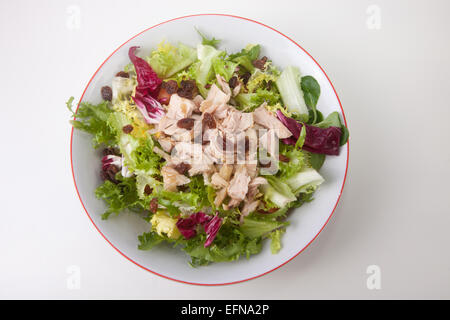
(148, 81)
(211, 225)
(318, 140)
(211, 229)
(147, 89)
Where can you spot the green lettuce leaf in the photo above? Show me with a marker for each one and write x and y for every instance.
(224, 67)
(229, 244)
(277, 192)
(305, 181)
(297, 161)
(255, 228)
(169, 59)
(246, 56)
(213, 42)
(120, 196)
(275, 243)
(204, 69)
(334, 120)
(138, 152)
(149, 239)
(311, 93)
(248, 102)
(289, 86)
(93, 119)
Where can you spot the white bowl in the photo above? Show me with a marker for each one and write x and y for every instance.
(121, 232)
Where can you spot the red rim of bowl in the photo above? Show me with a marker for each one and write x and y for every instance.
(194, 283)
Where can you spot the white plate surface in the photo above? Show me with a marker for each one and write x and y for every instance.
(122, 231)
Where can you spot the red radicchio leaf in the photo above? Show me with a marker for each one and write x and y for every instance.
(150, 109)
(318, 140)
(147, 89)
(148, 81)
(111, 160)
(188, 226)
(211, 229)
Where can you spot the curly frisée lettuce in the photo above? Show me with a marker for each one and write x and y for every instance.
(226, 211)
(93, 119)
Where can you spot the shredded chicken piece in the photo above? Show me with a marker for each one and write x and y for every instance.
(218, 182)
(215, 98)
(163, 154)
(249, 207)
(179, 107)
(253, 187)
(172, 178)
(182, 135)
(252, 170)
(236, 90)
(225, 172)
(213, 154)
(210, 133)
(220, 196)
(198, 99)
(166, 143)
(232, 204)
(167, 125)
(221, 111)
(238, 186)
(263, 117)
(237, 121)
(223, 84)
(202, 167)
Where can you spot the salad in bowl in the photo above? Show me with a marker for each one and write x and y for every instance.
(211, 148)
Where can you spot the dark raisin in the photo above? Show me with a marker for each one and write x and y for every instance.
(186, 123)
(233, 82)
(283, 158)
(127, 129)
(122, 74)
(259, 63)
(207, 86)
(154, 205)
(269, 85)
(106, 93)
(188, 89)
(110, 151)
(147, 190)
(170, 86)
(208, 121)
(110, 174)
(182, 167)
(114, 169)
(245, 77)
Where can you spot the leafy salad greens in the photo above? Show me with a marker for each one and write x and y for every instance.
(214, 210)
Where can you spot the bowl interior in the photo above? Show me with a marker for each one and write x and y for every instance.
(121, 231)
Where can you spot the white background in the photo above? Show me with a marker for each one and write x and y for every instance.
(394, 86)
